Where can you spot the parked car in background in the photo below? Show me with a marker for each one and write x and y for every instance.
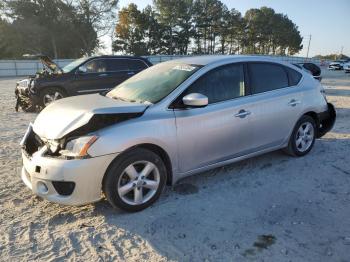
(314, 69)
(347, 67)
(170, 121)
(83, 76)
(336, 65)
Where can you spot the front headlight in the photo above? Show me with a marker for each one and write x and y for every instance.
(31, 86)
(78, 147)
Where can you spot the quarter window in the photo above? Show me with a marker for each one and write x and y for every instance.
(220, 84)
(294, 76)
(267, 77)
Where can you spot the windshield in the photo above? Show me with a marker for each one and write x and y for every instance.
(154, 83)
(74, 64)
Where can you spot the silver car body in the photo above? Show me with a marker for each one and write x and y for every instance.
(194, 140)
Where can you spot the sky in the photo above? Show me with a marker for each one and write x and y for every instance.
(327, 21)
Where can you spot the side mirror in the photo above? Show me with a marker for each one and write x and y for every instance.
(82, 69)
(195, 100)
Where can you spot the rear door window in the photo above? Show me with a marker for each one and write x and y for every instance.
(135, 65)
(124, 64)
(266, 77)
(220, 84)
(119, 64)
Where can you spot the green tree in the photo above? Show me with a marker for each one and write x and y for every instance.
(130, 31)
(176, 17)
(233, 32)
(6, 34)
(154, 33)
(207, 27)
(267, 32)
(57, 28)
(210, 19)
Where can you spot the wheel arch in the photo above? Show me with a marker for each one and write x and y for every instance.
(42, 89)
(155, 149)
(314, 116)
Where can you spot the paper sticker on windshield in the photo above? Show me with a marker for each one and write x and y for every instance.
(184, 68)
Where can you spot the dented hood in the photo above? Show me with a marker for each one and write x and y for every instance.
(66, 115)
(46, 61)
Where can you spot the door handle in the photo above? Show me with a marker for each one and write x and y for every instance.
(131, 73)
(294, 102)
(103, 75)
(242, 113)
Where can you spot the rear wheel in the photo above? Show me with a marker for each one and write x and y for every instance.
(303, 137)
(135, 180)
(51, 94)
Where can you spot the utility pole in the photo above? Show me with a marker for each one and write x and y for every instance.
(341, 52)
(308, 47)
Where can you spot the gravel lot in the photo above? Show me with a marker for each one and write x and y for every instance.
(268, 208)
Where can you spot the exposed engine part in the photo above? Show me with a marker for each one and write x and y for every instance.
(34, 143)
(100, 121)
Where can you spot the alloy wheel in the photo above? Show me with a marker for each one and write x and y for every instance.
(138, 183)
(304, 136)
(50, 97)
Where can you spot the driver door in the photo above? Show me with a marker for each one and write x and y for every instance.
(217, 132)
(92, 77)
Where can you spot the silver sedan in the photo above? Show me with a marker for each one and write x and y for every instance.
(172, 120)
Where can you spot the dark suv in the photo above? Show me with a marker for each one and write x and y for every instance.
(82, 76)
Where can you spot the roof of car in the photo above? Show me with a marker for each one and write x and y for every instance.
(118, 56)
(210, 59)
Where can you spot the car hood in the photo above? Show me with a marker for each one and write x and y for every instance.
(47, 62)
(66, 115)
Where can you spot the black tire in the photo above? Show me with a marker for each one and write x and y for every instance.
(116, 170)
(51, 91)
(292, 148)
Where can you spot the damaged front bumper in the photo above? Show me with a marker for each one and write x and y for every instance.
(68, 182)
(326, 120)
(65, 181)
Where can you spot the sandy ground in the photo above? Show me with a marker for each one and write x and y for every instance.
(269, 208)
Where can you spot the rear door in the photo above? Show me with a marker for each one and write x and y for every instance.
(219, 131)
(276, 103)
(120, 69)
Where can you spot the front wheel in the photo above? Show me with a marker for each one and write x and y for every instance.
(51, 94)
(303, 137)
(135, 180)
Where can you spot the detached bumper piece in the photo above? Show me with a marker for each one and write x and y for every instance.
(24, 101)
(327, 120)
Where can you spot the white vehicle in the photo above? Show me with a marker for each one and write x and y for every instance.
(336, 65)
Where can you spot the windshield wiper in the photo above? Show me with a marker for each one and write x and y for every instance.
(124, 99)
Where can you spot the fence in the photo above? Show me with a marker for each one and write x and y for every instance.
(30, 67)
